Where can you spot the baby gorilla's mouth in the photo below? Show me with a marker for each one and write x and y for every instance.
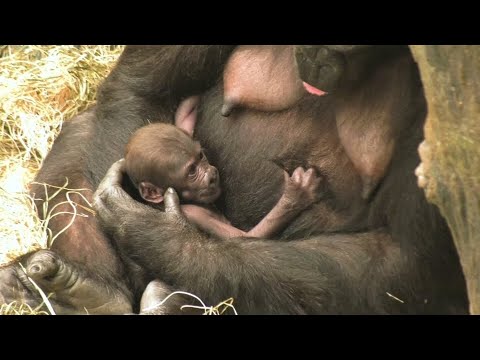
(212, 193)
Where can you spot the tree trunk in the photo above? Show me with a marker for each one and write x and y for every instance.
(450, 168)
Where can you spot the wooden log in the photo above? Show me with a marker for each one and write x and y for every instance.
(450, 168)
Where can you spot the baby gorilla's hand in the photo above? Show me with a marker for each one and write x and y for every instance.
(302, 188)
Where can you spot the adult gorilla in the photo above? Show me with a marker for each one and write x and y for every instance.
(372, 245)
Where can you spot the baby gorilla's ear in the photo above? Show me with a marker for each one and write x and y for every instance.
(150, 192)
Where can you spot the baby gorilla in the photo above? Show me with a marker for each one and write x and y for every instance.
(159, 156)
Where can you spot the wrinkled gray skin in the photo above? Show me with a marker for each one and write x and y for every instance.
(68, 290)
(71, 289)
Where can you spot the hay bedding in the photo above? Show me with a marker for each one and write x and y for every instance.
(40, 87)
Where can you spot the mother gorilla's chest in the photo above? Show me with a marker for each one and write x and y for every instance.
(249, 148)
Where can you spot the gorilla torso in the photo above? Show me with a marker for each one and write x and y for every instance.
(251, 162)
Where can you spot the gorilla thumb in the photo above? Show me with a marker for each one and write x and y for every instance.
(172, 203)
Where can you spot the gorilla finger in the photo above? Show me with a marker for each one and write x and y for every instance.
(102, 212)
(308, 177)
(113, 178)
(172, 203)
(298, 174)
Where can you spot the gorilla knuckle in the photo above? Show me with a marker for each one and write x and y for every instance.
(44, 256)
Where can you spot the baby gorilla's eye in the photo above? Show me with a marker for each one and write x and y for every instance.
(192, 170)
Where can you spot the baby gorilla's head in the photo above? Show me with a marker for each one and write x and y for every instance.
(159, 156)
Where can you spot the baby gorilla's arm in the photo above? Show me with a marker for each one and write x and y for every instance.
(210, 221)
(299, 193)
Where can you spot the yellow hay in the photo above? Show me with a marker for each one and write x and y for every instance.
(15, 308)
(40, 87)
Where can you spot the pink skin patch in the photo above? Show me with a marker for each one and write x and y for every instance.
(186, 115)
(313, 90)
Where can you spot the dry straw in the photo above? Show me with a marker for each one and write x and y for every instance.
(40, 87)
